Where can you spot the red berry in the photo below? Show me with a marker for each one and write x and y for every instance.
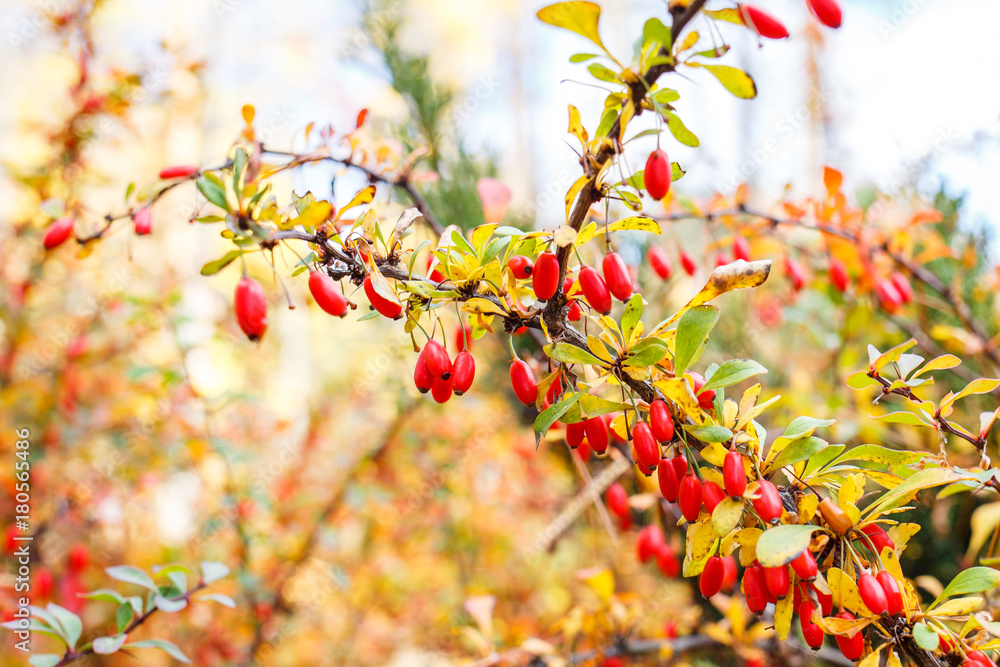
(767, 503)
(584, 452)
(422, 376)
(545, 276)
(902, 285)
(731, 573)
(690, 497)
(597, 432)
(893, 596)
(595, 290)
(765, 24)
(384, 306)
(734, 475)
(667, 561)
(617, 500)
(688, 263)
(521, 266)
(438, 361)
(463, 372)
(872, 594)
(178, 171)
(463, 337)
(888, 296)
(805, 566)
(658, 174)
(741, 248)
(811, 632)
(79, 558)
(602, 446)
(878, 537)
(979, 659)
(755, 588)
(616, 276)
(838, 274)
(795, 273)
(851, 647)
(777, 580)
(648, 543)
(680, 464)
(705, 398)
(432, 271)
(647, 452)
(143, 221)
(659, 261)
(44, 582)
(250, 305)
(827, 11)
(710, 581)
(667, 477)
(57, 233)
(574, 434)
(660, 421)
(721, 259)
(670, 630)
(711, 495)
(575, 312)
(327, 294)
(441, 390)
(825, 601)
(523, 381)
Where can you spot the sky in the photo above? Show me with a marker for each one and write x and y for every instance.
(901, 81)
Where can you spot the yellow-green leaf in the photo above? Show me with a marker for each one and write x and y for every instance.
(736, 81)
(579, 17)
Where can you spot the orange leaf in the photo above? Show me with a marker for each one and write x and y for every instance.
(924, 217)
(495, 196)
(361, 118)
(832, 178)
(793, 211)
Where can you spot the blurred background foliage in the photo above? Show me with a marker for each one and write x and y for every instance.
(358, 517)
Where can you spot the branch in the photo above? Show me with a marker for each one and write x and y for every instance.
(73, 656)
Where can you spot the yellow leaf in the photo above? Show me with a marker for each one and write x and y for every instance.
(576, 127)
(957, 607)
(564, 236)
(872, 659)
(482, 234)
(806, 507)
(579, 17)
(700, 540)
(727, 516)
(482, 306)
(600, 580)
(679, 391)
(845, 593)
(733, 276)
(845, 626)
(892, 660)
(571, 194)
(365, 196)
(783, 617)
(747, 539)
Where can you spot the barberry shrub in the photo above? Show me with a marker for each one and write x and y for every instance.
(817, 528)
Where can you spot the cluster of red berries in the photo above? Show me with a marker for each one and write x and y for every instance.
(435, 371)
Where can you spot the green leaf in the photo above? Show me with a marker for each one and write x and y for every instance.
(163, 645)
(799, 450)
(733, 372)
(925, 479)
(124, 616)
(736, 81)
(910, 418)
(655, 31)
(104, 594)
(926, 638)
(213, 267)
(36, 627)
(631, 316)
(802, 427)
(593, 406)
(70, 623)
(549, 416)
(582, 57)
(692, 335)
(44, 660)
(602, 73)
(680, 131)
(169, 606)
(224, 600)
(861, 380)
(131, 575)
(571, 354)
(710, 433)
(973, 580)
(676, 173)
(239, 165)
(579, 17)
(213, 571)
(647, 356)
(109, 645)
(213, 189)
(783, 544)
(879, 454)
